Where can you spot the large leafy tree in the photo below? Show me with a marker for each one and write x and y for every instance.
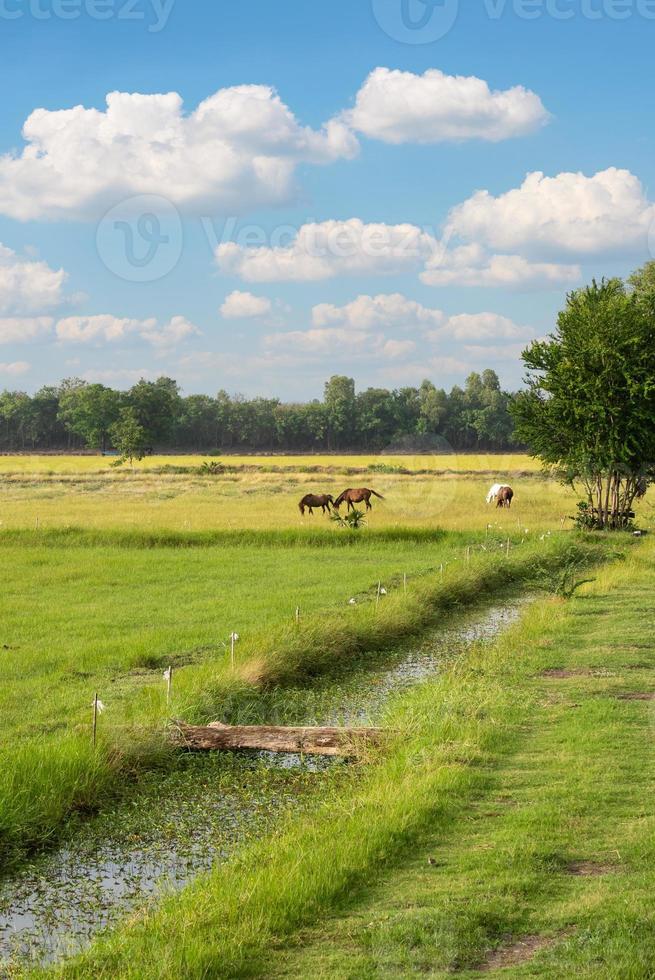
(589, 408)
(157, 405)
(340, 404)
(89, 410)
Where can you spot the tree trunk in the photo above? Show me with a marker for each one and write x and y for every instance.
(275, 738)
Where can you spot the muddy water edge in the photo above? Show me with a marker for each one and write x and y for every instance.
(185, 819)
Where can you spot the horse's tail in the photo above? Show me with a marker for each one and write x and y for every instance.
(377, 494)
(301, 507)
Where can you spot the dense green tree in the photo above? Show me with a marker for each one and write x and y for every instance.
(590, 402)
(89, 410)
(129, 436)
(433, 410)
(157, 406)
(339, 398)
(79, 414)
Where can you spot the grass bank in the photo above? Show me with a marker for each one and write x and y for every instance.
(454, 733)
(82, 620)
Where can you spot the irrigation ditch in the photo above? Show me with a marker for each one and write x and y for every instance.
(198, 813)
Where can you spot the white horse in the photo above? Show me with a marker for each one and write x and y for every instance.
(494, 491)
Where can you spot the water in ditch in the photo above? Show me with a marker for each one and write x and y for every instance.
(184, 821)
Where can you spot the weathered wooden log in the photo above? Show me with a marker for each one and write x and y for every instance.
(277, 738)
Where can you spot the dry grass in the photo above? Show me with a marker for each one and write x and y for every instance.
(78, 492)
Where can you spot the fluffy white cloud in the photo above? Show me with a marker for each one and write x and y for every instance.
(400, 107)
(14, 367)
(472, 265)
(104, 327)
(326, 249)
(237, 150)
(384, 310)
(170, 334)
(499, 352)
(18, 330)
(335, 341)
(243, 305)
(568, 213)
(482, 327)
(27, 285)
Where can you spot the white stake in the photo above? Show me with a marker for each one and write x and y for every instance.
(233, 638)
(98, 708)
(507, 553)
(441, 571)
(377, 596)
(297, 615)
(168, 677)
(405, 583)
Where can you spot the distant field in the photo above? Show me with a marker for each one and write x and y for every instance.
(171, 492)
(511, 462)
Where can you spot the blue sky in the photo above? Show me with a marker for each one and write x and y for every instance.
(156, 237)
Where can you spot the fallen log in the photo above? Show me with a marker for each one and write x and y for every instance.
(305, 740)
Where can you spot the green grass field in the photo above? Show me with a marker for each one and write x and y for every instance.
(113, 575)
(507, 833)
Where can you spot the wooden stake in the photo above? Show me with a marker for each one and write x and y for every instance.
(95, 718)
(441, 571)
(405, 583)
(507, 553)
(377, 596)
(297, 615)
(168, 675)
(233, 637)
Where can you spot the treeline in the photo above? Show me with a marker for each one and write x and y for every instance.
(77, 414)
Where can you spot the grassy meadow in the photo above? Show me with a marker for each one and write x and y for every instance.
(111, 575)
(506, 832)
(263, 492)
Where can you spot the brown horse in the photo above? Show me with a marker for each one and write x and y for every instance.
(352, 497)
(504, 497)
(322, 500)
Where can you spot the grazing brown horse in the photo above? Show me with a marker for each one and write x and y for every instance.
(322, 500)
(352, 497)
(504, 497)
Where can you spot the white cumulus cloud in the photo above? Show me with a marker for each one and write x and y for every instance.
(569, 213)
(473, 265)
(106, 328)
(483, 327)
(400, 107)
(243, 305)
(384, 310)
(323, 250)
(14, 367)
(18, 330)
(237, 150)
(28, 285)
